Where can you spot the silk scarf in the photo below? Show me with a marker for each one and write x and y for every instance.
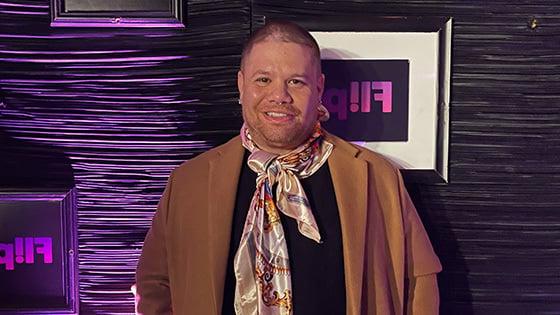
(261, 263)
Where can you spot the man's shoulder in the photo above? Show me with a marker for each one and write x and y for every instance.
(201, 161)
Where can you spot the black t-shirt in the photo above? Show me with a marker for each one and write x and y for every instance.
(317, 269)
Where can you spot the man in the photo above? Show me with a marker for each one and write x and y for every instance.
(286, 218)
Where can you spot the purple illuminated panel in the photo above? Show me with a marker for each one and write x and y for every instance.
(367, 99)
(24, 250)
(38, 265)
(118, 13)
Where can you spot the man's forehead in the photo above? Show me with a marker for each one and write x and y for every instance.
(264, 56)
(265, 45)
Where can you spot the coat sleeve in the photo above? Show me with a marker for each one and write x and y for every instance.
(152, 278)
(422, 264)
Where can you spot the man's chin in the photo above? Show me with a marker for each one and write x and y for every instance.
(279, 138)
(286, 143)
(279, 141)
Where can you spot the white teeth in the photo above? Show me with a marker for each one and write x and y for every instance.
(274, 114)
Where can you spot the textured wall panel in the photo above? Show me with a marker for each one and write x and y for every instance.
(496, 226)
(121, 107)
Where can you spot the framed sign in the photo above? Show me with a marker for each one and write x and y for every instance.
(118, 13)
(388, 88)
(38, 253)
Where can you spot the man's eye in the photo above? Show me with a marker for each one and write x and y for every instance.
(263, 80)
(296, 82)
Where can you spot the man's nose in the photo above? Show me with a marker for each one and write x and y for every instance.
(280, 94)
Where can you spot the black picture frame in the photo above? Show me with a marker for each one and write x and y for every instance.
(104, 13)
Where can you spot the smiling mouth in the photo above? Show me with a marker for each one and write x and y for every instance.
(277, 114)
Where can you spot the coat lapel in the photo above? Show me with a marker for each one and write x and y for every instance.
(349, 176)
(223, 175)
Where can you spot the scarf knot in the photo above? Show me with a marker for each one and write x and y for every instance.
(261, 264)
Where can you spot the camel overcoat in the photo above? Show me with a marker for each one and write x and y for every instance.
(389, 264)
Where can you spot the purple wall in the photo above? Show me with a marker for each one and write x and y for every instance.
(113, 111)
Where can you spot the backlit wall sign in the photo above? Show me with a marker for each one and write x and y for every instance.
(387, 88)
(24, 249)
(38, 258)
(367, 99)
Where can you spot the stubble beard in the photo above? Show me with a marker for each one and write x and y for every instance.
(285, 138)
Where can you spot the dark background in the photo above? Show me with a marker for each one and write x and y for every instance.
(121, 107)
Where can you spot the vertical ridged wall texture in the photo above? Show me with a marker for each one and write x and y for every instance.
(120, 108)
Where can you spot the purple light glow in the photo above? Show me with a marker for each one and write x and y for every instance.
(37, 6)
(61, 36)
(109, 24)
(135, 65)
(24, 12)
(159, 99)
(158, 58)
(121, 120)
(156, 80)
(62, 52)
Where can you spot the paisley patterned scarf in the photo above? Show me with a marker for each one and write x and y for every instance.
(262, 265)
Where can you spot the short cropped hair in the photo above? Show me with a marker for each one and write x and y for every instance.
(284, 31)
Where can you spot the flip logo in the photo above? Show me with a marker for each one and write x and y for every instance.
(336, 100)
(367, 99)
(24, 250)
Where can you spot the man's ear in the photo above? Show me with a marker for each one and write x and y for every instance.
(321, 85)
(240, 81)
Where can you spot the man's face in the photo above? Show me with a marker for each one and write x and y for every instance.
(280, 88)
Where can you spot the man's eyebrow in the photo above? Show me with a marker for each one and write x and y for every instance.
(298, 75)
(295, 75)
(260, 72)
